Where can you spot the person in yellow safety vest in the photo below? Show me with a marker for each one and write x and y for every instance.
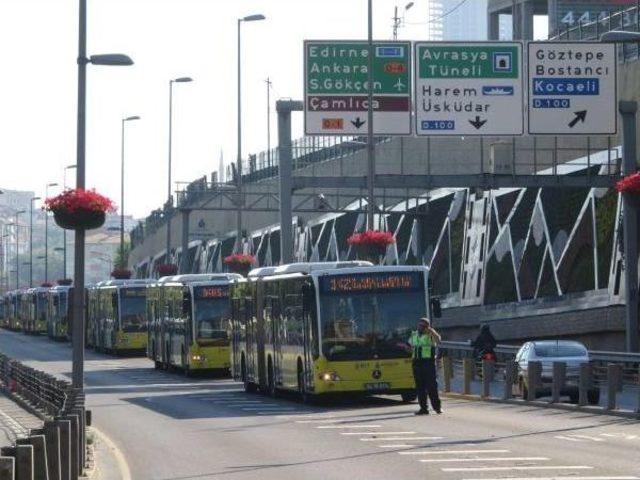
(422, 343)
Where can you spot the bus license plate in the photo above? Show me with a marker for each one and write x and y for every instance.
(377, 387)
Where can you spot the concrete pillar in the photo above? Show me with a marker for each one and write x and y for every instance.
(487, 377)
(65, 448)
(526, 17)
(516, 21)
(534, 370)
(468, 365)
(7, 468)
(511, 369)
(559, 375)
(74, 437)
(493, 29)
(584, 384)
(614, 372)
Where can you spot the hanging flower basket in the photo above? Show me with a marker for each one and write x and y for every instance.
(65, 282)
(121, 274)
(79, 209)
(629, 184)
(239, 263)
(371, 244)
(166, 269)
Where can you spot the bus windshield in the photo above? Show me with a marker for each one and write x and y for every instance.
(367, 316)
(62, 307)
(211, 310)
(133, 309)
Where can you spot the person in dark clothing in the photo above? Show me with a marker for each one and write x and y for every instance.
(485, 342)
(422, 343)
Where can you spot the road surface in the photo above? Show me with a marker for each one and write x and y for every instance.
(174, 428)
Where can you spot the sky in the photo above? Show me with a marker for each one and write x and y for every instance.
(166, 39)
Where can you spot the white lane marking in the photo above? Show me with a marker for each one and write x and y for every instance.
(398, 439)
(377, 433)
(504, 469)
(566, 477)
(268, 412)
(569, 439)
(453, 452)
(350, 426)
(248, 404)
(485, 459)
(271, 409)
(587, 437)
(400, 445)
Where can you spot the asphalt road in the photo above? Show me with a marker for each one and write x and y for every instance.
(175, 428)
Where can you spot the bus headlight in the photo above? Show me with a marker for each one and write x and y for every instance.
(197, 358)
(330, 377)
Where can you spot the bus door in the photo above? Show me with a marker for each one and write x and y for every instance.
(276, 332)
(308, 304)
(260, 334)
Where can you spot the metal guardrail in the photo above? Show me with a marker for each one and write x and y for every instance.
(58, 450)
(613, 376)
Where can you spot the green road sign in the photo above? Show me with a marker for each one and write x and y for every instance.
(337, 87)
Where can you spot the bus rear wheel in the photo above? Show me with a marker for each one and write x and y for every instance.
(248, 386)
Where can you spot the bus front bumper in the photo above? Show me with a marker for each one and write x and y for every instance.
(209, 358)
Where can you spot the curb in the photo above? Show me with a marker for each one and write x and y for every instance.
(121, 461)
(556, 406)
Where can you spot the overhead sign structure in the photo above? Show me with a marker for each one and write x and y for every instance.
(336, 87)
(464, 89)
(572, 88)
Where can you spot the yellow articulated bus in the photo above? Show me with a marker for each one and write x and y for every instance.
(35, 307)
(327, 328)
(117, 316)
(14, 309)
(59, 312)
(188, 317)
(4, 311)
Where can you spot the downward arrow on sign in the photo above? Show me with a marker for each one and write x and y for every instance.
(477, 122)
(358, 123)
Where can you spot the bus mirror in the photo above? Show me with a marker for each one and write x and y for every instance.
(436, 309)
(55, 301)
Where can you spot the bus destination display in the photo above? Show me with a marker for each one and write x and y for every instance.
(371, 282)
(133, 292)
(211, 292)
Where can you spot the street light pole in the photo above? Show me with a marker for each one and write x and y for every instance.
(64, 230)
(31, 241)
(18, 249)
(46, 234)
(78, 296)
(248, 18)
(371, 154)
(124, 120)
(169, 198)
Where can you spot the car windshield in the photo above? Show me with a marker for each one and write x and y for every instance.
(544, 350)
(133, 308)
(211, 311)
(369, 315)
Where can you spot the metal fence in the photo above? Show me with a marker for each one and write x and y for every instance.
(58, 449)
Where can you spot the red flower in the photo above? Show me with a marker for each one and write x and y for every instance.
(79, 199)
(377, 238)
(165, 269)
(239, 259)
(629, 183)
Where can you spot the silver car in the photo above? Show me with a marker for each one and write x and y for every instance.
(547, 352)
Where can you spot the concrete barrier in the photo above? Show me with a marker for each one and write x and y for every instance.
(65, 448)
(447, 370)
(488, 367)
(468, 366)
(585, 382)
(52, 434)
(614, 374)
(534, 372)
(510, 373)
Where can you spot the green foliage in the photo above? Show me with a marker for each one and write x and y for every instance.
(122, 257)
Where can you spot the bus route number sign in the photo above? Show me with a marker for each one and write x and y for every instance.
(133, 292)
(212, 292)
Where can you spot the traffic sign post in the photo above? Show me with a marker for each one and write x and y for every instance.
(468, 88)
(572, 88)
(336, 87)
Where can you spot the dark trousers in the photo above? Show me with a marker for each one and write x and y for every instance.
(424, 373)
